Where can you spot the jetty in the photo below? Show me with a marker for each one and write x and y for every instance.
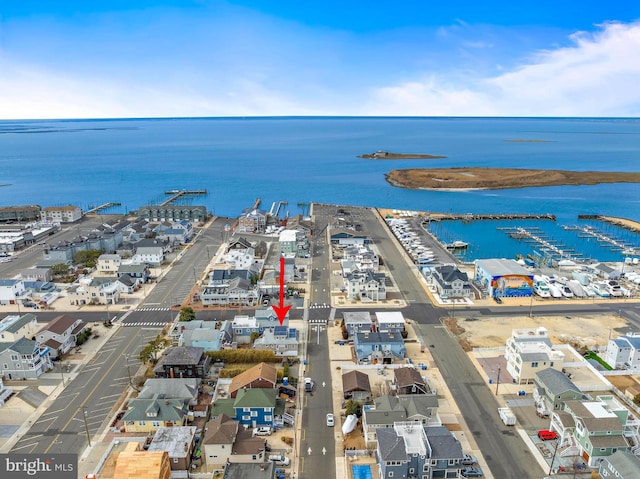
(468, 217)
(98, 209)
(621, 222)
(176, 194)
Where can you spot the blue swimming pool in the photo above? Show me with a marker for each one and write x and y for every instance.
(361, 471)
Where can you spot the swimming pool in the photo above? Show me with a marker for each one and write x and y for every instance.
(361, 471)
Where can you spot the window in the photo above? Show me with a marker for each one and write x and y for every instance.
(534, 364)
(551, 364)
(246, 409)
(14, 357)
(390, 474)
(156, 424)
(411, 470)
(142, 423)
(175, 460)
(254, 413)
(246, 418)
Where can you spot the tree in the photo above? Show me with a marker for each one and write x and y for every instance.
(151, 350)
(254, 279)
(254, 335)
(88, 257)
(187, 314)
(60, 269)
(353, 407)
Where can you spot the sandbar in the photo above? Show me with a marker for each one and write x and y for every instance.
(385, 155)
(500, 178)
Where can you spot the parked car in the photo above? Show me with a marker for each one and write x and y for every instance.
(497, 299)
(547, 435)
(469, 460)
(330, 420)
(472, 472)
(262, 431)
(279, 459)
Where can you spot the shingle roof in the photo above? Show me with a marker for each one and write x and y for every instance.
(555, 381)
(170, 388)
(59, 324)
(256, 398)
(407, 376)
(262, 370)
(355, 381)
(390, 445)
(625, 463)
(221, 430)
(444, 445)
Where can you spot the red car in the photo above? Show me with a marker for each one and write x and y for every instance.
(546, 435)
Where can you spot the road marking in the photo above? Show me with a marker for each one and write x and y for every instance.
(302, 464)
(52, 412)
(304, 434)
(309, 450)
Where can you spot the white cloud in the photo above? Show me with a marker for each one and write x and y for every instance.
(596, 76)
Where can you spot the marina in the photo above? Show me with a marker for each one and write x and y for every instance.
(177, 194)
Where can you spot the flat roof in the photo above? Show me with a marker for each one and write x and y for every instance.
(502, 267)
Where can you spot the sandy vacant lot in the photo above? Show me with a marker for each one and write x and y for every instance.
(579, 330)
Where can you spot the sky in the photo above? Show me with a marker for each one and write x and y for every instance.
(139, 58)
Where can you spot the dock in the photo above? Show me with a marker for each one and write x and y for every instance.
(621, 222)
(467, 217)
(550, 247)
(175, 194)
(613, 242)
(98, 209)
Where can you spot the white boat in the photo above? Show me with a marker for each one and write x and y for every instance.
(541, 289)
(566, 291)
(614, 289)
(457, 245)
(589, 291)
(555, 290)
(576, 288)
(600, 289)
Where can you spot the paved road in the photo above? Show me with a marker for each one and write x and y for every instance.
(93, 393)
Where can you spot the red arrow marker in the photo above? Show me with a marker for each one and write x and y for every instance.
(281, 310)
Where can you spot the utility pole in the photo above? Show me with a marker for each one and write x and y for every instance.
(86, 426)
(498, 381)
(554, 456)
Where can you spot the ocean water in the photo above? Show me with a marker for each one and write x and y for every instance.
(301, 160)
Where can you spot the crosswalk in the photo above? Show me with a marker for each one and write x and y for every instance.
(153, 309)
(158, 324)
(317, 305)
(318, 321)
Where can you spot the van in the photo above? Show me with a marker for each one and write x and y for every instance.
(308, 385)
(279, 459)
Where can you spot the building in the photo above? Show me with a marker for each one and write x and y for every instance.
(251, 407)
(450, 282)
(11, 290)
(171, 212)
(171, 388)
(261, 376)
(5, 393)
(356, 386)
(389, 321)
(408, 450)
(252, 220)
(346, 237)
(149, 255)
(104, 290)
(19, 214)
(503, 278)
(357, 322)
(62, 214)
(624, 353)
(108, 263)
(14, 327)
(226, 442)
(60, 334)
(175, 232)
(381, 348)
(179, 442)
(182, 362)
(288, 242)
(24, 359)
(238, 292)
(620, 465)
(282, 340)
(552, 388)
(408, 380)
(366, 286)
(528, 351)
(242, 470)
(149, 415)
(244, 327)
(132, 462)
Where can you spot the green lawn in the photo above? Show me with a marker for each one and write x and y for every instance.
(593, 355)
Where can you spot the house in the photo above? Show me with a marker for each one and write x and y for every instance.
(450, 282)
(624, 353)
(60, 334)
(252, 220)
(179, 442)
(407, 450)
(239, 292)
(250, 407)
(300, 225)
(182, 362)
(267, 318)
(14, 327)
(149, 255)
(133, 462)
(138, 271)
(176, 232)
(262, 376)
(180, 329)
(357, 322)
(11, 290)
(552, 388)
(379, 347)
(620, 465)
(389, 321)
(366, 286)
(36, 274)
(356, 386)
(528, 351)
(503, 278)
(171, 388)
(408, 380)
(288, 242)
(243, 327)
(61, 214)
(108, 263)
(95, 291)
(241, 470)
(346, 237)
(5, 393)
(209, 339)
(607, 272)
(24, 359)
(148, 415)
(222, 277)
(362, 256)
(282, 340)
(127, 284)
(226, 442)
(594, 428)
(169, 212)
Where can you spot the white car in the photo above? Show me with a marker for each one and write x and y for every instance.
(262, 431)
(330, 421)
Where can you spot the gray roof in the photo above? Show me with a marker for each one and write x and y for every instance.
(390, 445)
(16, 325)
(21, 346)
(170, 388)
(625, 463)
(181, 355)
(502, 267)
(163, 409)
(379, 337)
(419, 404)
(254, 470)
(556, 382)
(175, 440)
(444, 445)
(536, 356)
(357, 317)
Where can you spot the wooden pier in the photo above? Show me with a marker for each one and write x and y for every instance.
(97, 209)
(175, 194)
(479, 217)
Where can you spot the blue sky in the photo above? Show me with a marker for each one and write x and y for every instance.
(138, 58)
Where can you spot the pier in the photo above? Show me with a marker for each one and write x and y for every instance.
(175, 194)
(97, 209)
(547, 246)
(478, 217)
(621, 222)
(615, 243)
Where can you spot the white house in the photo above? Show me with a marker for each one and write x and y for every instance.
(151, 255)
(62, 214)
(389, 321)
(366, 286)
(60, 334)
(108, 263)
(14, 327)
(10, 290)
(624, 353)
(528, 351)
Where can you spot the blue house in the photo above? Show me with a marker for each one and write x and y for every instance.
(251, 407)
(267, 318)
(408, 450)
(379, 347)
(243, 326)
